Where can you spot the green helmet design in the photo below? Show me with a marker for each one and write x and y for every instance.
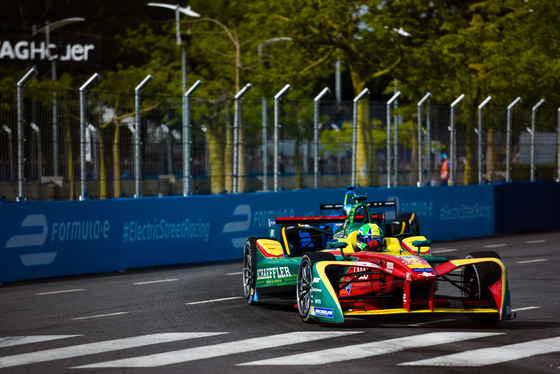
(369, 238)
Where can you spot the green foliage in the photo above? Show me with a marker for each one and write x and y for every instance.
(501, 48)
(336, 141)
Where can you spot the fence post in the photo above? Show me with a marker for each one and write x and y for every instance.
(420, 103)
(428, 140)
(479, 132)
(137, 137)
(187, 138)
(276, 132)
(83, 125)
(37, 132)
(21, 137)
(533, 133)
(236, 121)
(167, 152)
(316, 136)
(355, 133)
(92, 140)
(391, 100)
(508, 139)
(10, 151)
(452, 140)
(264, 143)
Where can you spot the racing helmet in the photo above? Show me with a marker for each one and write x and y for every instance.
(369, 238)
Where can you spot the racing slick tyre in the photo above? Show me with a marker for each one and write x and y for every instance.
(305, 282)
(250, 270)
(477, 279)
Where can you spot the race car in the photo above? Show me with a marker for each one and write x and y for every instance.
(363, 272)
(270, 265)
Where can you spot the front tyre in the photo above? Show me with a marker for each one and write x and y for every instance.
(250, 271)
(304, 291)
(477, 280)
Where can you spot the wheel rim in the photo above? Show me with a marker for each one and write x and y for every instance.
(305, 281)
(247, 272)
(472, 283)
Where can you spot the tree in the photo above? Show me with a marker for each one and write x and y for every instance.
(482, 48)
(363, 35)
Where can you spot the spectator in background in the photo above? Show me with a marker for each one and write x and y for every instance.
(444, 174)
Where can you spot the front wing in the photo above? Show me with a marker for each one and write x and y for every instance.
(326, 306)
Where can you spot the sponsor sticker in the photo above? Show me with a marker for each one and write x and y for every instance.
(423, 270)
(273, 273)
(322, 312)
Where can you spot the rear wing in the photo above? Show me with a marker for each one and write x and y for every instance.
(372, 204)
(273, 221)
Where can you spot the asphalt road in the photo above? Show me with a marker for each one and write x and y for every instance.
(194, 319)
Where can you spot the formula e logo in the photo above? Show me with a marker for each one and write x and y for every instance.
(37, 223)
(244, 211)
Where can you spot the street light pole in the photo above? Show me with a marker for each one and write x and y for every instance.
(188, 12)
(47, 29)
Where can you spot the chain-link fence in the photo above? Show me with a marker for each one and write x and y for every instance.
(274, 142)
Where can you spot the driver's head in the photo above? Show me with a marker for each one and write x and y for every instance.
(369, 238)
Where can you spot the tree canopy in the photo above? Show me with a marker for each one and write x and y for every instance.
(481, 47)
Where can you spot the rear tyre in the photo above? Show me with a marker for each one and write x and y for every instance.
(477, 279)
(304, 290)
(250, 270)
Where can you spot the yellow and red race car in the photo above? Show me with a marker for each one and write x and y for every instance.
(370, 267)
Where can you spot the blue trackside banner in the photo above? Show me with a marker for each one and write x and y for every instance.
(48, 239)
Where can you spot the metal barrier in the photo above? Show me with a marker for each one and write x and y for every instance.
(56, 238)
(315, 144)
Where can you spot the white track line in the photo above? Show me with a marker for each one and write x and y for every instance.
(214, 300)
(10, 341)
(100, 316)
(223, 349)
(371, 349)
(531, 261)
(95, 348)
(156, 281)
(57, 292)
(497, 245)
(445, 250)
(491, 356)
(526, 308)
